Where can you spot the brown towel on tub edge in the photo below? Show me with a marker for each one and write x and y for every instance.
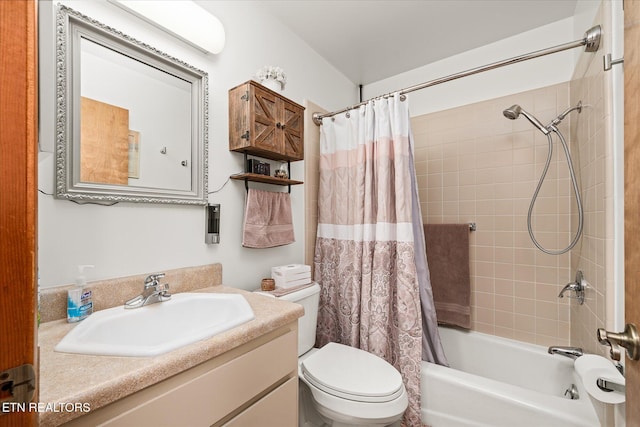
(448, 261)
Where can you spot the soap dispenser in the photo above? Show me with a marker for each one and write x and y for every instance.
(79, 301)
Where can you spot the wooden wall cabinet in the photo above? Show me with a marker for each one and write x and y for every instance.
(264, 123)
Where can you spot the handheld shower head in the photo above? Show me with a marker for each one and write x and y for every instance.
(578, 107)
(562, 115)
(514, 112)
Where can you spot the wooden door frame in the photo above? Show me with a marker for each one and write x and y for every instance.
(18, 190)
(632, 195)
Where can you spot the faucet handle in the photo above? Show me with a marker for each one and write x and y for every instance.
(152, 280)
(578, 286)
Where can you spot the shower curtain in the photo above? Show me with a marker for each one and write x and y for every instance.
(370, 256)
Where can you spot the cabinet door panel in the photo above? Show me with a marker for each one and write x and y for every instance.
(209, 393)
(292, 131)
(264, 123)
(276, 409)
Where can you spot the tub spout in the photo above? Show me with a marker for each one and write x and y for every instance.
(571, 352)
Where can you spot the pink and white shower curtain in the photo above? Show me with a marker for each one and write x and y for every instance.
(369, 257)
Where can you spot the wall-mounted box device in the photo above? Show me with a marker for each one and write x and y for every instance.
(212, 224)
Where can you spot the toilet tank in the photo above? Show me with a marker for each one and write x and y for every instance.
(309, 299)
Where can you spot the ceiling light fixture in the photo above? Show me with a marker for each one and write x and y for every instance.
(183, 19)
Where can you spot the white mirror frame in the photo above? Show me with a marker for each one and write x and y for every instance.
(69, 24)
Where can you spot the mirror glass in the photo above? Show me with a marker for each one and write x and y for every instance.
(132, 121)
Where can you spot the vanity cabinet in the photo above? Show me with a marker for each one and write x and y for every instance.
(265, 124)
(253, 384)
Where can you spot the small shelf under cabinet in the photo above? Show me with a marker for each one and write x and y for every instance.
(265, 179)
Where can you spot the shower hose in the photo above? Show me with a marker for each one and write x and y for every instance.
(574, 182)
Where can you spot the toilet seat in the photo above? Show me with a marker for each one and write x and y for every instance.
(352, 374)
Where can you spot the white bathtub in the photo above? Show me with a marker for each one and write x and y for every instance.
(497, 382)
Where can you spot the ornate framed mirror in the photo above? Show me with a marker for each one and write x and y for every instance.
(131, 120)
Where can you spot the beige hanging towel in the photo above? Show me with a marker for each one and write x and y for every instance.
(267, 220)
(448, 260)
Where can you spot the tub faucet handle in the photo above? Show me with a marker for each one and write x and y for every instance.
(578, 286)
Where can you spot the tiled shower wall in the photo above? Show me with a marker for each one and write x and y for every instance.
(474, 165)
(594, 145)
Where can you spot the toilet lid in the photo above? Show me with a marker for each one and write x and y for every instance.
(353, 374)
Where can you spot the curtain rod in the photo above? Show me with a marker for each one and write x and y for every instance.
(591, 41)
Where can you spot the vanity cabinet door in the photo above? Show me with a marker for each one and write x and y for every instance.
(256, 381)
(277, 409)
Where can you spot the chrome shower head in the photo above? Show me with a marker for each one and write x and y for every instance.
(514, 112)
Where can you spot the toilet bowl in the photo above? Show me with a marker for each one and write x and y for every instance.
(342, 385)
(352, 387)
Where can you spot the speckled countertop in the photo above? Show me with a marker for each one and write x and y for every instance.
(100, 380)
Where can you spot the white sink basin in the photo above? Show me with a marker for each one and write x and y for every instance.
(157, 328)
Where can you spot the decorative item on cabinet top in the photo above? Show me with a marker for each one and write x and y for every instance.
(272, 77)
(263, 123)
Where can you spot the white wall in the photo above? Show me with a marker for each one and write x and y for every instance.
(516, 78)
(137, 238)
(130, 238)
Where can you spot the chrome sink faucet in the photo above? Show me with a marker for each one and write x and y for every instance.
(153, 292)
(571, 352)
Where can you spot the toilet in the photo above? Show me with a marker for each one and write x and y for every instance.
(342, 385)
